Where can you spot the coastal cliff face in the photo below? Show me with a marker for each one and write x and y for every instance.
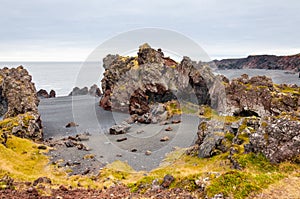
(133, 83)
(261, 62)
(19, 103)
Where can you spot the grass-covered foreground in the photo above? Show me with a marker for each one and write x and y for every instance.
(25, 161)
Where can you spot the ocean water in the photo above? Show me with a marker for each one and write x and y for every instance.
(61, 76)
(64, 76)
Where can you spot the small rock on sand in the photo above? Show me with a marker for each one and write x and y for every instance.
(176, 121)
(168, 128)
(71, 124)
(120, 128)
(121, 139)
(148, 152)
(166, 138)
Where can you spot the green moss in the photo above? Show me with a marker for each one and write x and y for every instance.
(229, 136)
(256, 162)
(239, 184)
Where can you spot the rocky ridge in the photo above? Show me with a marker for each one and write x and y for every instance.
(273, 62)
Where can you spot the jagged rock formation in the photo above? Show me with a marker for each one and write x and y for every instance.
(258, 96)
(93, 91)
(277, 139)
(44, 94)
(18, 94)
(133, 83)
(261, 62)
(52, 94)
(79, 91)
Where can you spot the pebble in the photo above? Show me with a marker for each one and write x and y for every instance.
(168, 128)
(176, 121)
(148, 152)
(121, 139)
(166, 138)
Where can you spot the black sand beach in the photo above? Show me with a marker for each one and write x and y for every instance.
(92, 119)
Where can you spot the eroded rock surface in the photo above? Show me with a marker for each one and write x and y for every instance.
(277, 139)
(18, 94)
(131, 84)
(259, 96)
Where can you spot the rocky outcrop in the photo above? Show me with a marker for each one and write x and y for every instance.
(18, 94)
(277, 139)
(261, 62)
(259, 96)
(79, 91)
(131, 84)
(52, 94)
(93, 91)
(44, 94)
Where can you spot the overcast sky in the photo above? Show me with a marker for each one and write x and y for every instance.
(69, 30)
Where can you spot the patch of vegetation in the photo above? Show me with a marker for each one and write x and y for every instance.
(239, 184)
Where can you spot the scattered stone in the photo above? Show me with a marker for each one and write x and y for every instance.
(121, 139)
(169, 129)
(120, 128)
(42, 147)
(71, 124)
(42, 180)
(119, 155)
(168, 179)
(69, 143)
(86, 172)
(155, 185)
(133, 150)
(176, 121)
(148, 152)
(63, 188)
(164, 139)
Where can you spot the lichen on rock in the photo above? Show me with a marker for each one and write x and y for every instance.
(133, 84)
(18, 93)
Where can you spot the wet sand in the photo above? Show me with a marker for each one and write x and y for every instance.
(84, 111)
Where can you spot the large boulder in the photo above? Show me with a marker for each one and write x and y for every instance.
(18, 94)
(131, 84)
(277, 138)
